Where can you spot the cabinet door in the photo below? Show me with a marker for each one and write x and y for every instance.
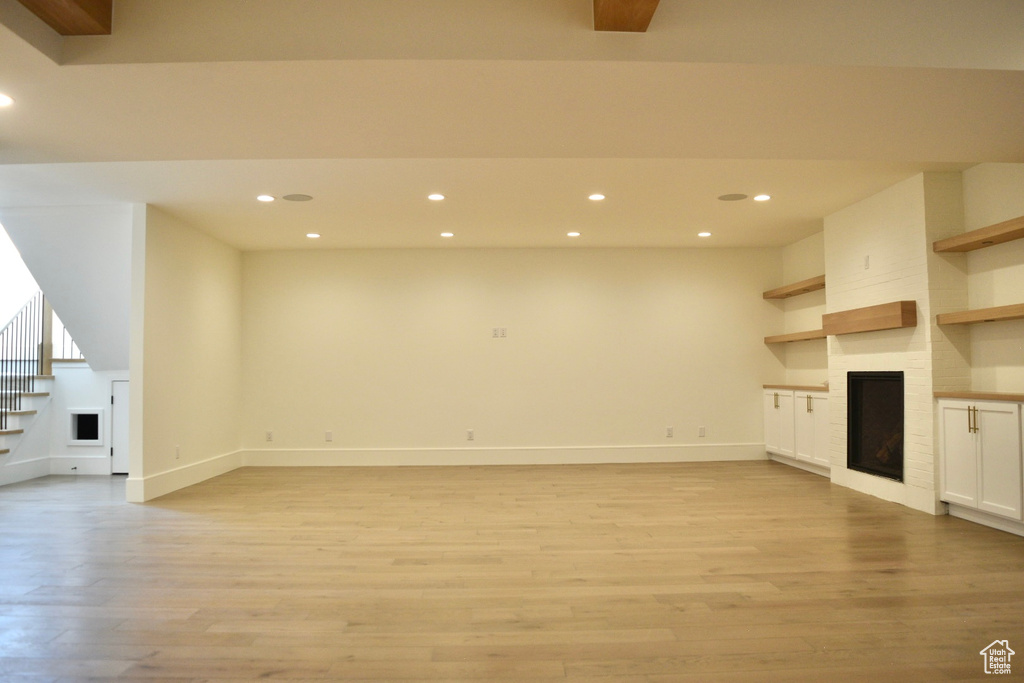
(821, 429)
(998, 442)
(771, 422)
(778, 421)
(804, 427)
(959, 455)
(786, 425)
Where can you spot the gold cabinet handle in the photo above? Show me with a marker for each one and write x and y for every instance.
(972, 419)
(776, 400)
(810, 404)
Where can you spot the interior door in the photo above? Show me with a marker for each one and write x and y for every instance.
(119, 427)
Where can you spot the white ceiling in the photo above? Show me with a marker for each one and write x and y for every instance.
(514, 109)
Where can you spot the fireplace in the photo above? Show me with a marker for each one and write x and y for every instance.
(875, 423)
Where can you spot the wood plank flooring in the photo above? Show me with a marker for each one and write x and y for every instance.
(735, 572)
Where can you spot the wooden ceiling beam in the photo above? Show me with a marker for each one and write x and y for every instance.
(623, 15)
(74, 17)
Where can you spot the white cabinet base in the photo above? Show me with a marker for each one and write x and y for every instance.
(979, 517)
(813, 468)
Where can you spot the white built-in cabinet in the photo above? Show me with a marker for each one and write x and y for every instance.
(811, 417)
(796, 424)
(981, 456)
(981, 432)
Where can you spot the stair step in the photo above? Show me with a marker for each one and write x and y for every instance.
(4, 451)
(22, 413)
(11, 432)
(34, 394)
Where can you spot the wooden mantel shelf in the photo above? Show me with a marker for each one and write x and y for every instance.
(890, 316)
(998, 233)
(795, 337)
(803, 287)
(982, 315)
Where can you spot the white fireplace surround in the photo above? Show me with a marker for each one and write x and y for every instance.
(877, 251)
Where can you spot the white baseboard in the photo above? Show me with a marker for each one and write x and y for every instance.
(24, 470)
(79, 464)
(377, 457)
(141, 489)
(979, 517)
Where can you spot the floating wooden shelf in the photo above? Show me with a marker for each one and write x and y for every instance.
(1007, 231)
(982, 315)
(803, 287)
(891, 316)
(795, 337)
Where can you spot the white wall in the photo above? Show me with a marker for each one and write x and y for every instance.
(77, 387)
(392, 351)
(995, 275)
(81, 258)
(185, 361)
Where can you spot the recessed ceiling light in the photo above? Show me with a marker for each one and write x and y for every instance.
(732, 197)
(313, 235)
(264, 198)
(447, 234)
(762, 197)
(6, 100)
(596, 197)
(297, 198)
(704, 234)
(435, 197)
(572, 234)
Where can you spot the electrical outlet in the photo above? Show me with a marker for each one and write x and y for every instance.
(469, 435)
(669, 432)
(502, 332)
(701, 431)
(270, 436)
(328, 436)
(177, 452)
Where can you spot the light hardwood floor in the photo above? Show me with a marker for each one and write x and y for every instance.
(736, 572)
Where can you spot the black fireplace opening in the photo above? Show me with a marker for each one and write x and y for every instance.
(875, 423)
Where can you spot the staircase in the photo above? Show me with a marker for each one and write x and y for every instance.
(17, 420)
(25, 360)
